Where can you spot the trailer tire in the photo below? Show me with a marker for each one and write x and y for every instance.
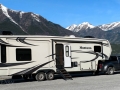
(40, 76)
(110, 71)
(50, 75)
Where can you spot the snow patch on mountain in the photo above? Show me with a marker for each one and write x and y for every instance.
(21, 13)
(35, 17)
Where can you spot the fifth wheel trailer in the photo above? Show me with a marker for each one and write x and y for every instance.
(41, 57)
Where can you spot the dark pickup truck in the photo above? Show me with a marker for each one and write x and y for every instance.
(109, 66)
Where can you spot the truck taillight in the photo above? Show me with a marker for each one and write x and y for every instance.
(100, 65)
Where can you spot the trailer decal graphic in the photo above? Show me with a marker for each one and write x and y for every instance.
(32, 69)
(90, 52)
(7, 44)
(50, 55)
(106, 44)
(22, 40)
(13, 64)
(3, 42)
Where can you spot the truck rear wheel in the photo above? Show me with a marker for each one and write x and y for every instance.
(110, 70)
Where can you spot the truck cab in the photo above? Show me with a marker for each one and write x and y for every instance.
(109, 66)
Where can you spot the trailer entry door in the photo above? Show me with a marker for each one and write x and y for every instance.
(59, 56)
(67, 56)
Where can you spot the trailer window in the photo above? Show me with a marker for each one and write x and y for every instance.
(23, 54)
(67, 51)
(3, 54)
(97, 48)
(119, 57)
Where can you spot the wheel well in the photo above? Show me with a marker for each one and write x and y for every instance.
(46, 70)
(110, 66)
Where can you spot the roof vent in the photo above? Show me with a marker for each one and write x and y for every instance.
(72, 36)
(89, 37)
(7, 33)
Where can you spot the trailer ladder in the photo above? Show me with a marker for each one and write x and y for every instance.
(65, 74)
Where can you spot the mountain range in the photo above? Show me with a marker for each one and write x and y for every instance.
(106, 31)
(28, 23)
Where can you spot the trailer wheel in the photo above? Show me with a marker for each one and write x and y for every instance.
(50, 75)
(110, 70)
(40, 76)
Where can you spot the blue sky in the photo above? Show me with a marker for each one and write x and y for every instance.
(68, 12)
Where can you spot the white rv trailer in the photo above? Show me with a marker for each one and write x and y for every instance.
(42, 56)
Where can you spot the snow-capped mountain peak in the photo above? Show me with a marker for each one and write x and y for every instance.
(4, 10)
(7, 13)
(71, 27)
(86, 25)
(106, 27)
(82, 26)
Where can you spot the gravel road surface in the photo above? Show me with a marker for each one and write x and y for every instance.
(79, 82)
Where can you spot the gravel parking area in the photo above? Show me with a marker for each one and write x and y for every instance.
(79, 82)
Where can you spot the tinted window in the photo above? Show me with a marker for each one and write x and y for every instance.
(113, 58)
(23, 54)
(97, 48)
(118, 57)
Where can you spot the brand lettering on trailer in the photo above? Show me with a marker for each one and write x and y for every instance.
(85, 47)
